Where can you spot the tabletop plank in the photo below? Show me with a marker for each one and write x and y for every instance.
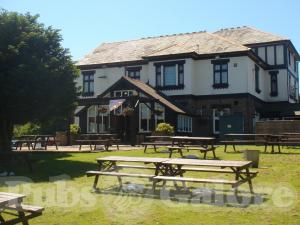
(192, 138)
(10, 198)
(214, 163)
(132, 159)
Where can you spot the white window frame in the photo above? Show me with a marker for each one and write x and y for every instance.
(184, 124)
(102, 115)
(88, 116)
(148, 119)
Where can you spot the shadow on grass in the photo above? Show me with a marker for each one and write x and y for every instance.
(47, 165)
(205, 196)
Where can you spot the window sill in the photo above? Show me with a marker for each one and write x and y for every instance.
(219, 86)
(274, 94)
(171, 87)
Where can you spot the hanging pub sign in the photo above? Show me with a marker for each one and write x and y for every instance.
(116, 103)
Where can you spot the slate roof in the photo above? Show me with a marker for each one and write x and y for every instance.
(248, 35)
(199, 43)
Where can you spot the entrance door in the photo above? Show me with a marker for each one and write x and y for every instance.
(217, 113)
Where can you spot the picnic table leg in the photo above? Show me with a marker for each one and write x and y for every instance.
(120, 182)
(170, 154)
(145, 148)
(237, 175)
(23, 218)
(272, 149)
(154, 148)
(118, 147)
(266, 147)
(279, 148)
(234, 148)
(80, 146)
(225, 148)
(54, 139)
(214, 153)
(204, 157)
(180, 152)
(249, 181)
(1, 219)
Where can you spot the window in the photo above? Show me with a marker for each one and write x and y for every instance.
(180, 74)
(145, 117)
(274, 83)
(104, 118)
(160, 113)
(88, 83)
(170, 75)
(124, 93)
(184, 124)
(257, 89)
(133, 72)
(295, 64)
(220, 73)
(91, 119)
(158, 75)
(289, 55)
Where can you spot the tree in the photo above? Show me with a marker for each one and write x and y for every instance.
(37, 75)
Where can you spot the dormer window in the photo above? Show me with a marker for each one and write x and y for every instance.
(88, 83)
(134, 72)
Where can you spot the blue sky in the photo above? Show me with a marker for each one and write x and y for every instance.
(86, 24)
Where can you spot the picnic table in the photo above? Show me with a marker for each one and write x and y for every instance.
(93, 140)
(173, 169)
(11, 202)
(192, 143)
(257, 139)
(33, 140)
(155, 141)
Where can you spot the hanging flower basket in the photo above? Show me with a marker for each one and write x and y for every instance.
(158, 111)
(102, 109)
(128, 111)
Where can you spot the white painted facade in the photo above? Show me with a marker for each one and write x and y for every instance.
(199, 75)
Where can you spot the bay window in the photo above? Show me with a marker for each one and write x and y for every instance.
(274, 83)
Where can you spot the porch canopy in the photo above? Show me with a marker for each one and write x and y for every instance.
(132, 92)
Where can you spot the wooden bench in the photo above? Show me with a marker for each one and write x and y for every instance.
(204, 150)
(26, 208)
(233, 183)
(106, 142)
(241, 142)
(155, 144)
(115, 174)
(13, 203)
(171, 149)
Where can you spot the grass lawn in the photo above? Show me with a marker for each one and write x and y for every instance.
(70, 200)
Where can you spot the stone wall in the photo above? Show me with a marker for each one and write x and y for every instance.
(278, 126)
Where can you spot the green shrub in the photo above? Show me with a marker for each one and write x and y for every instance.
(164, 128)
(74, 128)
(26, 129)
